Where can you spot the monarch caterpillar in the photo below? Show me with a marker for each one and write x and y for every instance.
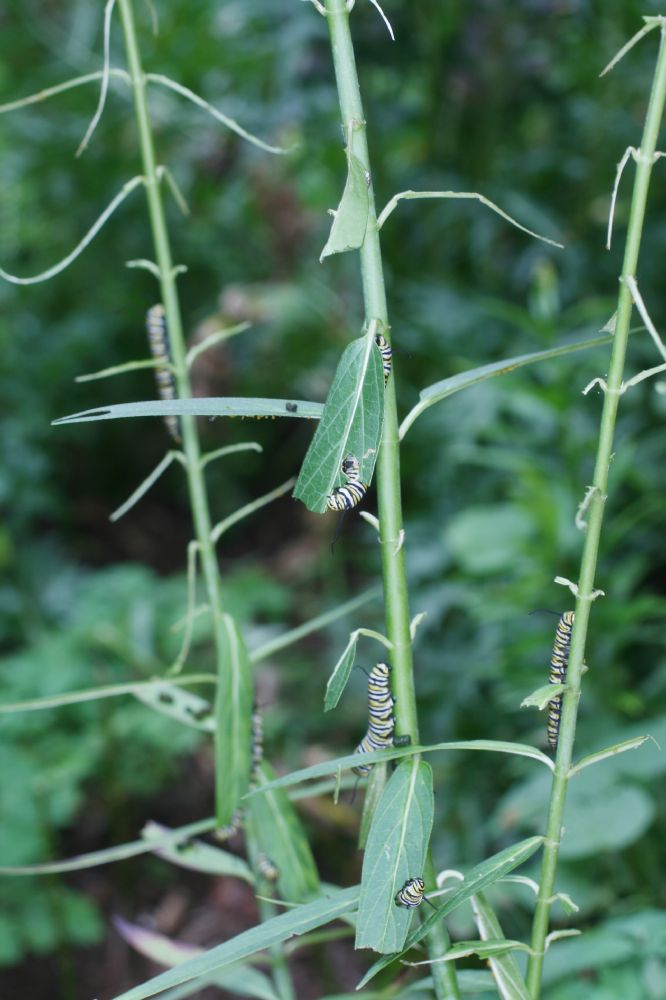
(257, 753)
(386, 353)
(411, 894)
(156, 329)
(346, 497)
(381, 723)
(267, 868)
(559, 662)
(225, 832)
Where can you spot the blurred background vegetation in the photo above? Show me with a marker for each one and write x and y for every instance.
(503, 99)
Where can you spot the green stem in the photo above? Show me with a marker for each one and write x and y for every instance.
(396, 597)
(589, 556)
(170, 300)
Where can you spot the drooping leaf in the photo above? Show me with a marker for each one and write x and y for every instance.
(392, 753)
(279, 834)
(483, 875)
(294, 922)
(350, 219)
(448, 386)
(350, 424)
(395, 852)
(214, 406)
(240, 979)
(341, 671)
(233, 715)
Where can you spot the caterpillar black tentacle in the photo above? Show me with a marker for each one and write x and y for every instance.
(559, 662)
(346, 497)
(156, 329)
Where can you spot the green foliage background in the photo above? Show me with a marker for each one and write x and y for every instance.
(503, 99)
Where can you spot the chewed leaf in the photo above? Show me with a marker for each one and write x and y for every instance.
(350, 424)
(395, 852)
(350, 219)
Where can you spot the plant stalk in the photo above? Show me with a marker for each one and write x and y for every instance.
(396, 595)
(170, 300)
(586, 580)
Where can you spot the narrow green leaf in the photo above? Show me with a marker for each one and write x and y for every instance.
(374, 790)
(392, 753)
(350, 424)
(350, 220)
(612, 751)
(127, 366)
(287, 925)
(448, 386)
(279, 833)
(214, 406)
(341, 671)
(239, 979)
(233, 715)
(294, 634)
(505, 969)
(111, 854)
(395, 852)
(485, 949)
(197, 856)
(542, 696)
(108, 691)
(485, 874)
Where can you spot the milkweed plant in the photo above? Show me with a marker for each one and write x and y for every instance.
(355, 449)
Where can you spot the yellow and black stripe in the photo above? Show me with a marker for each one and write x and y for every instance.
(559, 662)
(411, 894)
(159, 348)
(381, 722)
(348, 496)
(387, 355)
